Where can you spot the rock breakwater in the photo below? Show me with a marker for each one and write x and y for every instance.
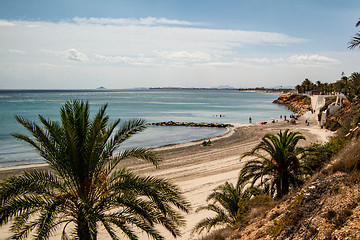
(192, 124)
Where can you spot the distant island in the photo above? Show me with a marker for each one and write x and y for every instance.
(101, 88)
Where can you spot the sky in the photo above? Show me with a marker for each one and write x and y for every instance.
(117, 44)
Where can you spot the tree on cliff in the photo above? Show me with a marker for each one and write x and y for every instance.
(355, 84)
(307, 85)
(276, 166)
(355, 41)
(86, 188)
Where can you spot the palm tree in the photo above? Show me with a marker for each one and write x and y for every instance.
(276, 166)
(307, 84)
(319, 87)
(86, 189)
(315, 157)
(355, 84)
(355, 41)
(224, 202)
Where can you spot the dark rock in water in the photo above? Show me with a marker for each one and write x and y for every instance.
(191, 124)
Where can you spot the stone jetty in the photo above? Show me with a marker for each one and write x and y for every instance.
(192, 124)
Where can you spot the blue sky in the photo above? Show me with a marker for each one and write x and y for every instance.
(142, 43)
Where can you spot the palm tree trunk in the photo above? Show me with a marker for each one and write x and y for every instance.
(285, 184)
(83, 230)
(278, 188)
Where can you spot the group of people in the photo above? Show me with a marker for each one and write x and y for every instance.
(206, 143)
(292, 119)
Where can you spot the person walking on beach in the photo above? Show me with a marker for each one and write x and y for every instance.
(250, 120)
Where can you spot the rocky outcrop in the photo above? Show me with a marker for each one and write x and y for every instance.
(346, 116)
(326, 208)
(191, 124)
(297, 103)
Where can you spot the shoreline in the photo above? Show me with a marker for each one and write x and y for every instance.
(198, 169)
(231, 128)
(12, 170)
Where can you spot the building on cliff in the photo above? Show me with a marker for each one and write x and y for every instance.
(332, 108)
(337, 104)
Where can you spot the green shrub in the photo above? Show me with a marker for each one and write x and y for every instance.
(350, 158)
(332, 125)
(220, 234)
(262, 201)
(315, 157)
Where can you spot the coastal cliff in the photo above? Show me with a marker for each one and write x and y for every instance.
(326, 207)
(347, 116)
(297, 103)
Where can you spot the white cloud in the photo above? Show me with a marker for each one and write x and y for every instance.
(134, 60)
(147, 49)
(75, 55)
(148, 21)
(17, 51)
(184, 56)
(108, 36)
(52, 52)
(70, 54)
(312, 60)
(33, 26)
(221, 64)
(257, 60)
(5, 23)
(294, 60)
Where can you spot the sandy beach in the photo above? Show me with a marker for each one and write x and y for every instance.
(197, 170)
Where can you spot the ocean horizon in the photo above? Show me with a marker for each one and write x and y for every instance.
(153, 105)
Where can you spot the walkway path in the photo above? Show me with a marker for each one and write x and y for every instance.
(317, 102)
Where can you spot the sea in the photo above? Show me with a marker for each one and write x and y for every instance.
(153, 105)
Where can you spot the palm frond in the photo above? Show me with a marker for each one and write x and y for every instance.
(208, 223)
(355, 41)
(277, 157)
(140, 153)
(85, 185)
(126, 130)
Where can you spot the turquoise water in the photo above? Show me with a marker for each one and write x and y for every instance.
(183, 105)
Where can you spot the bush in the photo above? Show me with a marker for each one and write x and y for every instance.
(350, 159)
(332, 125)
(338, 219)
(250, 208)
(220, 234)
(316, 156)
